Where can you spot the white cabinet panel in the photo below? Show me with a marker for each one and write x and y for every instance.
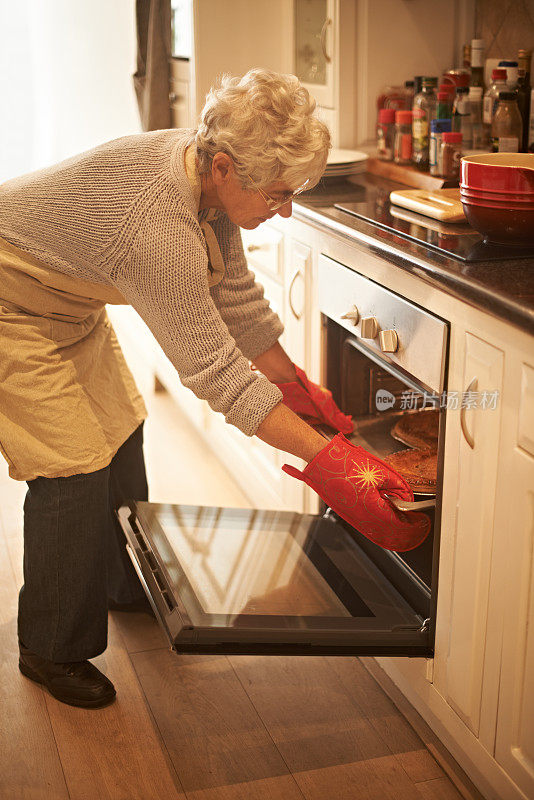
(514, 749)
(477, 477)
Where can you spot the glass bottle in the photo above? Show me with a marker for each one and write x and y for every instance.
(450, 155)
(423, 111)
(507, 126)
(466, 57)
(491, 97)
(403, 137)
(480, 137)
(385, 133)
(461, 115)
(444, 106)
(523, 93)
(437, 127)
(511, 68)
(477, 62)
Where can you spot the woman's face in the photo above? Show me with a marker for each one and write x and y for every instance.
(245, 207)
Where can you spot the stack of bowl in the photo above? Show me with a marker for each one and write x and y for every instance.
(497, 194)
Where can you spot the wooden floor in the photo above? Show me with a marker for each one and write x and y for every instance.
(206, 727)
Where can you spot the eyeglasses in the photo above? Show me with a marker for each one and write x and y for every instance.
(273, 204)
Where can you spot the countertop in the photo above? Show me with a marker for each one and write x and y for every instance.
(503, 288)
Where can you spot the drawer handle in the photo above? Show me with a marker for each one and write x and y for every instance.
(253, 247)
(322, 37)
(467, 435)
(292, 283)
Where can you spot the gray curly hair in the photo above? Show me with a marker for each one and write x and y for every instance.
(264, 121)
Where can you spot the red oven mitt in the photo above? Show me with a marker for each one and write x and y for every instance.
(350, 480)
(314, 403)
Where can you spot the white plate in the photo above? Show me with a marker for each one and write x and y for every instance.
(338, 157)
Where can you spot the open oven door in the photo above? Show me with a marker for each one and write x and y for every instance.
(250, 581)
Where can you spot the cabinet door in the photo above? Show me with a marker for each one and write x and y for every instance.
(460, 679)
(315, 44)
(514, 749)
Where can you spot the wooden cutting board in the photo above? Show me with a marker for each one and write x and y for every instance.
(442, 204)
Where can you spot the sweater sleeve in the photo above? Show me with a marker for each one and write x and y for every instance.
(164, 277)
(240, 300)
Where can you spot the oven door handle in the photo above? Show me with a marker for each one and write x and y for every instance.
(407, 505)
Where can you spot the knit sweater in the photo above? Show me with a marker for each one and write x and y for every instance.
(123, 214)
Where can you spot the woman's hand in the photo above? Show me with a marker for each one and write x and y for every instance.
(314, 403)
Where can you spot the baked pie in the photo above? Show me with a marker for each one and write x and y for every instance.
(418, 428)
(419, 468)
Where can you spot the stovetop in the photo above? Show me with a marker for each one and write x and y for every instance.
(458, 240)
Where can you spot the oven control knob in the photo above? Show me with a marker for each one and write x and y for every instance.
(354, 315)
(389, 341)
(369, 327)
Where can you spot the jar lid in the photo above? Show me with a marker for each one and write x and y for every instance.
(505, 63)
(507, 96)
(453, 137)
(386, 115)
(430, 81)
(498, 75)
(440, 125)
(403, 117)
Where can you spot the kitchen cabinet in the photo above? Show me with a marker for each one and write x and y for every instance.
(460, 672)
(314, 39)
(514, 743)
(228, 36)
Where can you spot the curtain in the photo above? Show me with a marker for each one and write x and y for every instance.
(151, 80)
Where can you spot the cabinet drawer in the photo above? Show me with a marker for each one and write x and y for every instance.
(263, 250)
(179, 100)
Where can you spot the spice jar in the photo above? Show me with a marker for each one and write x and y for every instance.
(403, 137)
(437, 127)
(385, 133)
(450, 154)
(507, 125)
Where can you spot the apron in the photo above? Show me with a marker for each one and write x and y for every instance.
(67, 398)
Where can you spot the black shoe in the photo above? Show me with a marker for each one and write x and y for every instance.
(140, 606)
(77, 683)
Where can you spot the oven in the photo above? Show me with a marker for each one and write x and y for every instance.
(270, 581)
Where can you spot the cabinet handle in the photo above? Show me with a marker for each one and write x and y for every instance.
(291, 284)
(322, 37)
(252, 247)
(467, 435)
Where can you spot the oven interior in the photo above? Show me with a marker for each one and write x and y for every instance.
(354, 378)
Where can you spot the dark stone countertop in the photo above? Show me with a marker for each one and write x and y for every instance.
(503, 288)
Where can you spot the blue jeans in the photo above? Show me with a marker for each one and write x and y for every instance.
(75, 556)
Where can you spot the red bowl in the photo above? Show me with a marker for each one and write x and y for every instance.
(499, 197)
(499, 172)
(491, 202)
(502, 226)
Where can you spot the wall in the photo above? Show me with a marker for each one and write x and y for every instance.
(397, 39)
(66, 72)
(505, 26)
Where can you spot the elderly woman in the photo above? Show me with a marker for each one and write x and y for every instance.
(151, 220)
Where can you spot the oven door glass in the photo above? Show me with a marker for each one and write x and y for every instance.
(233, 580)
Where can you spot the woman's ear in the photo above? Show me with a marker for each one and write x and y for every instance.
(222, 169)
